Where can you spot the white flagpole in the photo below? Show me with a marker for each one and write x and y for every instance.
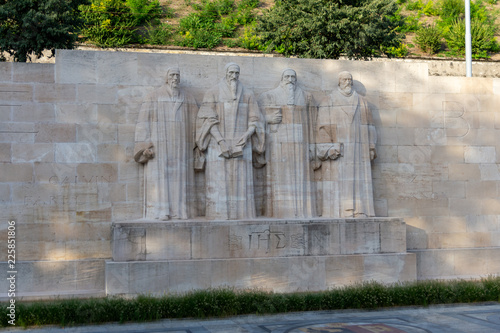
(468, 44)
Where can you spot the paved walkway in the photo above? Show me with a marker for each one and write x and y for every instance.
(477, 318)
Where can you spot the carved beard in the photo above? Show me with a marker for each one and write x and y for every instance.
(174, 86)
(346, 89)
(290, 92)
(233, 85)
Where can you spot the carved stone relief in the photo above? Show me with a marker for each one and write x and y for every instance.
(284, 132)
(290, 115)
(164, 139)
(346, 145)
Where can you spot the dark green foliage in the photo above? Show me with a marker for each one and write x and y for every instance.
(226, 302)
(405, 24)
(328, 29)
(399, 52)
(450, 10)
(428, 38)
(144, 10)
(108, 23)
(112, 23)
(482, 38)
(28, 26)
(250, 40)
(159, 35)
(206, 27)
(215, 20)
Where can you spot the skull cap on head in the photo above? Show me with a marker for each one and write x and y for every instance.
(229, 65)
(173, 70)
(287, 69)
(345, 74)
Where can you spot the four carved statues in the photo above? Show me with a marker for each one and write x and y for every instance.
(232, 133)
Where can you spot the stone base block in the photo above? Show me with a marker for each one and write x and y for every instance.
(54, 279)
(152, 241)
(284, 274)
(446, 264)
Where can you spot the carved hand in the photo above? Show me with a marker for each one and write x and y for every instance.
(333, 153)
(149, 153)
(244, 138)
(224, 149)
(275, 118)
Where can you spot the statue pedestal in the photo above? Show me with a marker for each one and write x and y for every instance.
(266, 254)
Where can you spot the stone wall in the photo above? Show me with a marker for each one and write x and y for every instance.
(67, 137)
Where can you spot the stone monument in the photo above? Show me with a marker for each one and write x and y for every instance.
(346, 145)
(230, 128)
(291, 248)
(290, 115)
(165, 145)
(150, 179)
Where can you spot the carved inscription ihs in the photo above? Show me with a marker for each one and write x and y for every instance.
(266, 241)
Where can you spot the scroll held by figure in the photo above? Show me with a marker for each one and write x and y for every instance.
(346, 140)
(164, 143)
(290, 114)
(230, 126)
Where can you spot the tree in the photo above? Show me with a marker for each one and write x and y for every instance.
(32, 26)
(329, 28)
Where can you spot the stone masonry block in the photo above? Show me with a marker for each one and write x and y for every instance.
(479, 154)
(6, 71)
(56, 133)
(18, 172)
(481, 189)
(97, 133)
(476, 85)
(5, 152)
(13, 94)
(106, 68)
(75, 153)
(447, 154)
(28, 112)
(112, 153)
(75, 66)
(76, 113)
(98, 94)
(59, 93)
(464, 172)
(36, 152)
(28, 72)
(99, 172)
(489, 171)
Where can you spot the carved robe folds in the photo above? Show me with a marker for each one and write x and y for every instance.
(290, 190)
(166, 124)
(229, 180)
(345, 136)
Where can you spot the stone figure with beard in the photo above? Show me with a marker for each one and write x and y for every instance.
(164, 144)
(290, 114)
(230, 126)
(346, 142)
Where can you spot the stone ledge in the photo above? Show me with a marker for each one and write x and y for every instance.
(56, 279)
(286, 274)
(199, 239)
(456, 263)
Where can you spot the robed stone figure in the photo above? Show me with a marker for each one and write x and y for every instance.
(164, 143)
(230, 126)
(346, 145)
(290, 114)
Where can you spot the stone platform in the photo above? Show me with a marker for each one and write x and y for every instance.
(268, 254)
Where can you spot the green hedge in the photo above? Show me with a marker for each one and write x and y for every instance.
(226, 302)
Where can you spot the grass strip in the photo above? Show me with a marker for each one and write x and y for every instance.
(228, 302)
